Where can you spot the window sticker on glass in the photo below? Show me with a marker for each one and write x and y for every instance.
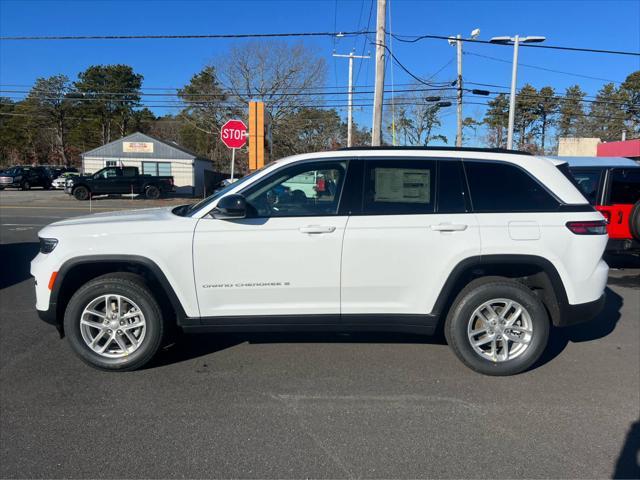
(408, 185)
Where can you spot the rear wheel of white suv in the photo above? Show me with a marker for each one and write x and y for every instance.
(114, 323)
(497, 327)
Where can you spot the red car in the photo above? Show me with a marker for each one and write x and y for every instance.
(612, 185)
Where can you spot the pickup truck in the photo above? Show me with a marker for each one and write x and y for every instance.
(118, 180)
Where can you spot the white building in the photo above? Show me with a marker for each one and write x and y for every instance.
(154, 157)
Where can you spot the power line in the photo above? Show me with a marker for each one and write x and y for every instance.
(585, 98)
(104, 96)
(364, 44)
(417, 38)
(543, 68)
(401, 38)
(228, 89)
(182, 37)
(407, 71)
(587, 115)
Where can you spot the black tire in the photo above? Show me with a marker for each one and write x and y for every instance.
(461, 314)
(46, 186)
(132, 287)
(81, 193)
(152, 192)
(634, 221)
(25, 185)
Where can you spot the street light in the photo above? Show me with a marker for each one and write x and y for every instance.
(516, 41)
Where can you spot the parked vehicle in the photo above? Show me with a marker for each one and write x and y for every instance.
(24, 178)
(55, 171)
(612, 185)
(60, 182)
(113, 180)
(491, 245)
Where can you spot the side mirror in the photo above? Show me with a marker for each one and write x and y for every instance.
(230, 207)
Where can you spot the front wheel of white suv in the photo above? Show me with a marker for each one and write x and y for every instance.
(497, 327)
(114, 323)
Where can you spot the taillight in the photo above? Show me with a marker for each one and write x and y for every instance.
(595, 227)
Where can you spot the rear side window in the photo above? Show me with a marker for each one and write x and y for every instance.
(397, 187)
(625, 186)
(500, 187)
(451, 189)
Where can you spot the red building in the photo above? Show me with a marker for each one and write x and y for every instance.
(628, 148)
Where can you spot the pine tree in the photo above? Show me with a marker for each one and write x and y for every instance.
(607, 115)
(572, 114)
(496, 119)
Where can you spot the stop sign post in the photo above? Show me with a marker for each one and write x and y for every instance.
(234, 135)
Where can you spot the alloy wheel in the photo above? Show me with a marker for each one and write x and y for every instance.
(113, 326)
(500, 330)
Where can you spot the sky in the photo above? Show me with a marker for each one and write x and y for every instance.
(602, 24)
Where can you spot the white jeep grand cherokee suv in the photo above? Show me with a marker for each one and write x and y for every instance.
(493, 245)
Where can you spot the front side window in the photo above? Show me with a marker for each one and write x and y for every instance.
(625, 186)
(311, 189)
(110, 172)
(398, 187)
(500, 187)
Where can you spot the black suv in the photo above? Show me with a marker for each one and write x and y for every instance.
(25, 177)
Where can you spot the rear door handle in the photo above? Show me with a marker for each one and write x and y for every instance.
(317, 229)
(449, 227)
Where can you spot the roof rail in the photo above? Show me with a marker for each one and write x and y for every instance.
(448, 149)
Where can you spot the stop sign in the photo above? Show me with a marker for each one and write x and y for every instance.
(234, 134)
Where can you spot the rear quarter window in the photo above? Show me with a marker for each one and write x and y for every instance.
(501, 187)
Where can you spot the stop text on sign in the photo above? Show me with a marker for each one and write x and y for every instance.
(234, 134)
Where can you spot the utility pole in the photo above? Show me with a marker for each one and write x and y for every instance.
(457, 41)
(459, 96)
(378, 98)
(351, 56)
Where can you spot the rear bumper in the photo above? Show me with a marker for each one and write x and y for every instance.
(582, 312)
(623, 245)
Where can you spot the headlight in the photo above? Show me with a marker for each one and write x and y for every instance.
(47, 245)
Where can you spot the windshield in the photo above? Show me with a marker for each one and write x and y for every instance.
(206, 201)
(13, 170)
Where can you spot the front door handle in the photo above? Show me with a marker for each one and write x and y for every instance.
(449, 227)
(317, 229)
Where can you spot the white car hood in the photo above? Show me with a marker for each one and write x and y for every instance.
(120, 216)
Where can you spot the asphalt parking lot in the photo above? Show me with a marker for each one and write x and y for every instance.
(307, 405)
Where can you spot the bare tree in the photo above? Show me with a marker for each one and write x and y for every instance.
(285, 77)
(416, 118)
